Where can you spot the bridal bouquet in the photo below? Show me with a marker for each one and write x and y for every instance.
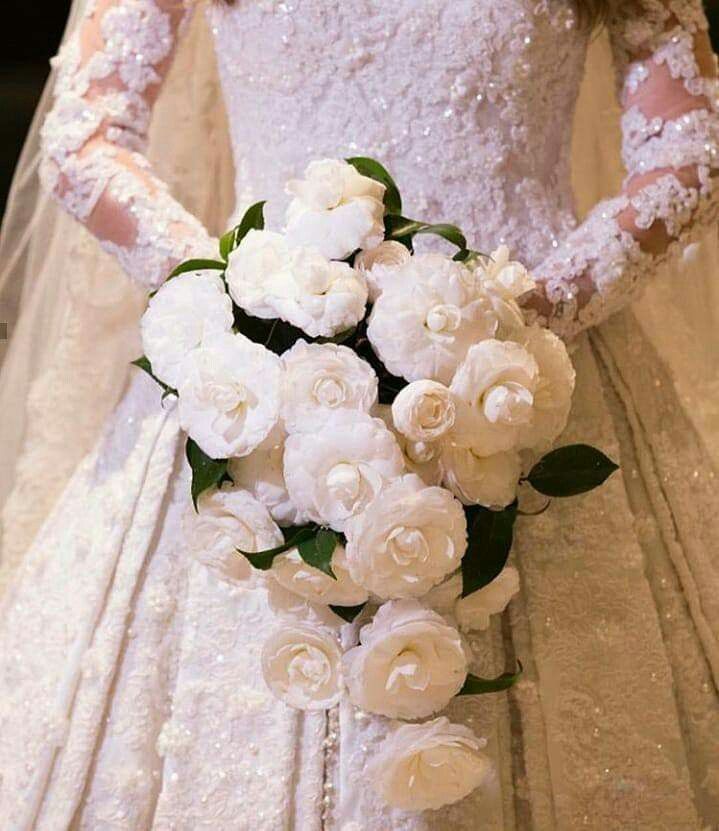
(359, 419)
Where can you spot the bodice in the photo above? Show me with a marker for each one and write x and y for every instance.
(469, 104)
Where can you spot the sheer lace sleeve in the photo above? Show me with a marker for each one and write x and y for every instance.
(109, 75)
(670, 126)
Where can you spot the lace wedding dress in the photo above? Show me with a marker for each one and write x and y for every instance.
(130, 689)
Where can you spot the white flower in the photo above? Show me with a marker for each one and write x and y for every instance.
(335, 209)
(229, 519)
(424, 322)
(380, 265)
(319, 296)
(292, 607)
(301, 664)
(410, 663)
(484, 480)
(301, 286)
(518, 394)
(422, 767)
(261, 473)
(473, 612)
(229, 395)
(320, 379)
(424, 411)
(509, 278)
(334, 473)
(254, 269)
(292, 572)
(553, 394)
(268, 279)
(497, 381)
(408, 539)
(420, 457)
(179, 317)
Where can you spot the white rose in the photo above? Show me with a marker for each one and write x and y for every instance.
(261, 473)
(229, 519)
(410, 662)
(380, 265)
(333, 474)
(253, 270)
(301, 664)
(422, 767)
(424, 411)
(292, 572)
(518, 395)
(420, 457)
(178, 318)
(408, 539)
(480, 480)
(320, 379)
(335, 209)
(473, 612)
(424, 322)
(229, 395)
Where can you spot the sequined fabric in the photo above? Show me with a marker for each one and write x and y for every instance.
(130, 690)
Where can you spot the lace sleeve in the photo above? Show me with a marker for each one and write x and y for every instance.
(670, 127)
(109, 75)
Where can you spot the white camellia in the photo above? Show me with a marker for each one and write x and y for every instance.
(424, 322)
(334, 473)
(424, 411)
(421, 767)
(269, 279)
(517, 395)
(335, 209)
(229, 519)
(473, 612)
(509, 278)
(261, 473)
(407, 539)
(292, 572)
(497, 381)
(420, 457)
(380, 265)
(480, 480)
(320, 378)
(229, 395)
(179, 317)
(301, 664)
(252, 271)
(410, 662)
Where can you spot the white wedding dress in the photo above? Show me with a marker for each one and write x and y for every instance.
(130, 690)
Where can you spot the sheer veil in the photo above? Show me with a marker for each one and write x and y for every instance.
(73, 315)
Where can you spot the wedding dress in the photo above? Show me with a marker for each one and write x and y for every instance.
(130, 690)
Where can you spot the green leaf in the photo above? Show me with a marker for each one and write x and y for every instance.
(227, 243)
(489, 543)
(374, 170)
(293, 536)
(348, 613)
(253, 218)
(197, 265)
(402, 229)
(571, 470)
(206, 472)
(479, 686)
(340, 337)
(318, 550)
(144, 364)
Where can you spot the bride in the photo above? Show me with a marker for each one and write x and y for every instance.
(130, 689)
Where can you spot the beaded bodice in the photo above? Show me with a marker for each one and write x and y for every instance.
(468, 104)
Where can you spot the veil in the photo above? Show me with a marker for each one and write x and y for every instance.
(70, 311)
(73, 315)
